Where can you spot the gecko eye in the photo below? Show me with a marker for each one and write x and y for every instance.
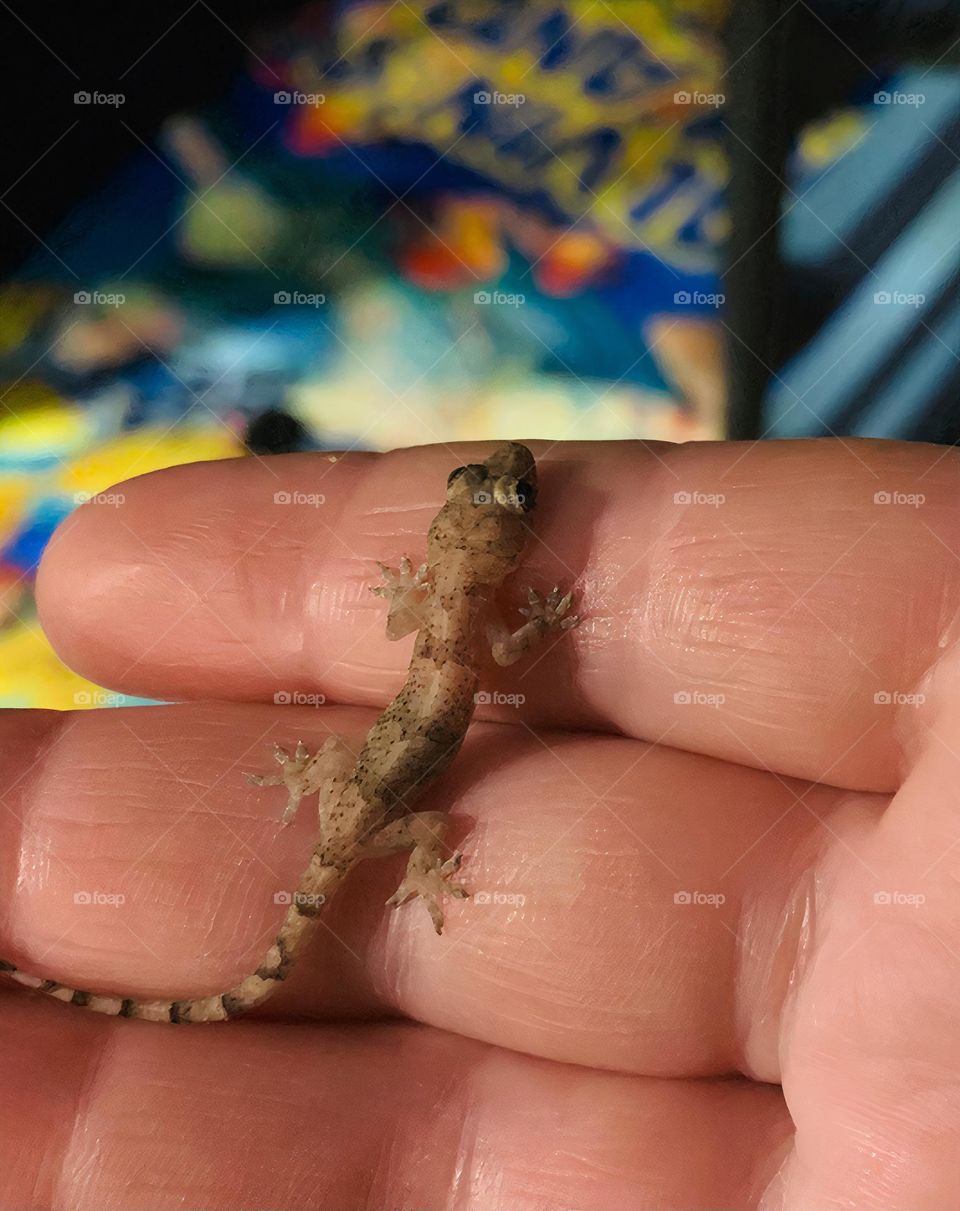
(477, 468)
(526, 494)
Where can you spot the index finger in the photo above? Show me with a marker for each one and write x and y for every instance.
(771, 604)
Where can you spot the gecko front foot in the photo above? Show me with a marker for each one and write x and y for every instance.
(543, 615)
(406, 591)
(550, 611)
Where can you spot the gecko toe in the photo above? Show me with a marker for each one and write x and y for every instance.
(263, 779)
(430, 883)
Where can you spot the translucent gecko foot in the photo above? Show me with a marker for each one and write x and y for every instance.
(303, 775)
(290, 776)
(397, 582)
(550, 611)
(427, 878)
(543, 614)
(406, 592)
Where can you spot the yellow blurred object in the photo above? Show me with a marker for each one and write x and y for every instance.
(38, 426)
(15, 491)
(145, 450)
(22, 306)
(831, 137)
(31, 675)
(237, 224)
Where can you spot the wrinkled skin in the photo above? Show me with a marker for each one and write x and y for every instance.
(713, 954)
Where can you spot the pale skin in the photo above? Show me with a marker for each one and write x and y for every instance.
(367, 794)
(786, 787)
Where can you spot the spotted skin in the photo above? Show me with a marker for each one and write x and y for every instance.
(473, 544)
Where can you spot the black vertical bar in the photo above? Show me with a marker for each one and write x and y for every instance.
(759, 129)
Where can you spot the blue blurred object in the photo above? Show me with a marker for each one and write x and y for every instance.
(880, 228)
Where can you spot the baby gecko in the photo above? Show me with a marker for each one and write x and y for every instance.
(365, 804)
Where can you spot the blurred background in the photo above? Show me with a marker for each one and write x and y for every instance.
(233, 231)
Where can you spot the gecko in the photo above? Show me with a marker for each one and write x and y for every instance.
(366, 802)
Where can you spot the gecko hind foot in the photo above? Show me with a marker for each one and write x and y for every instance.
(428, 878)
(304, 775)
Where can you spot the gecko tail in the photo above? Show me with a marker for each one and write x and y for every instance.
(298, 926)
(217, 1008)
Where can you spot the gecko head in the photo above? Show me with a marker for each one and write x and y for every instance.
(506, 482)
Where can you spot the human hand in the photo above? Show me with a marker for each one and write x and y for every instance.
(701, 847)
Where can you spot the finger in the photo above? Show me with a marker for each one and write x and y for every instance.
(769, 604)
(633, 908)
(110, 1115)
(873, 1023)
